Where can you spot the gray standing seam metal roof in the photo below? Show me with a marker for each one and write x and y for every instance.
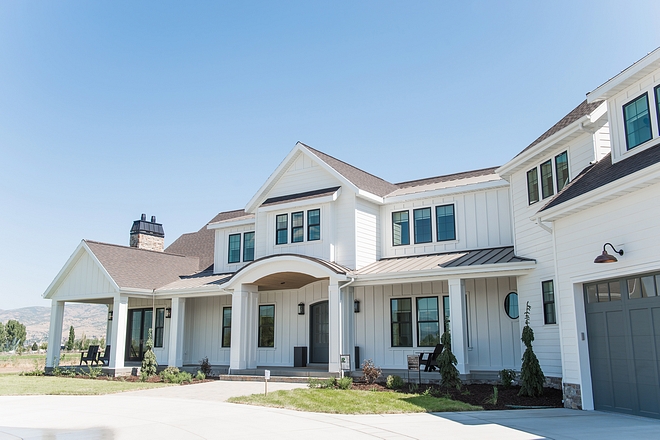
(447, 178)
(300, 196)
(603, 173)
(141, 269)
(412, 263)
(202, 279)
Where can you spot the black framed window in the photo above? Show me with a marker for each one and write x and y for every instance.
(428, 324)
(248, 246)
(297, 227)
(547, 188)
(281, 228)
(313, 224)
(549, 313)
(445, 223)
(561, 167)
(400, 228)
(159, 328)
(533, 186)
(657, 104)
(401, 322)
(226, 327)
(234, 248)
(267, 326)
(445, 312)
(637, 121)
(422, 219)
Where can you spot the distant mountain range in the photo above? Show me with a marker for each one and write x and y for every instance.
(90, 319)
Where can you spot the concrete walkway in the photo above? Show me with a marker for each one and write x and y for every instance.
(199, 412)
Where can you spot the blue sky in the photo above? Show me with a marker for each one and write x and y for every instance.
(183, 109)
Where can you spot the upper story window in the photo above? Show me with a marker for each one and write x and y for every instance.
(657, 104)
(297, 227)
(400, 228)
(234, 248)
(637, 122)
(445, 223)
(248, 246)
(313, 224)
(548, 185)
(422, 218)
(281, 228)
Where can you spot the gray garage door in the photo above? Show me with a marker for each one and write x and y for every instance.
(623, 325)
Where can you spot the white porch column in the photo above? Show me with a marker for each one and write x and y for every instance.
(334, 326)
(175, 347)
(348, 324)
(55, 333)
(244, 327)
(108, 329)
(458, 323)
(119, 323)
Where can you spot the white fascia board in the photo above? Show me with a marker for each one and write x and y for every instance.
(640, 179)
(626, 77)
(474, 187)
(231, 224)
(301, 203)
(211, 290)
(478, 271)
(369, 196)
(82, 247)
(136, 291)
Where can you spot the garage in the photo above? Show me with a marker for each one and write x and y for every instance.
(623, 326)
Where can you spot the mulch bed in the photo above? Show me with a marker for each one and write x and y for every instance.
(480, 394)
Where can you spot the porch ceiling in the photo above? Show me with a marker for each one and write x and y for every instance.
(285, 280)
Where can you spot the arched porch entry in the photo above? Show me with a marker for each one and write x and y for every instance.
(270, 291)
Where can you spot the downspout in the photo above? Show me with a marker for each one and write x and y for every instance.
(341, 325)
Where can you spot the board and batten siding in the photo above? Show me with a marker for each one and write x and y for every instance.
(303, 174)
(85, 280)
(147, 303)
(203, 330)
(483, 220)
(494, 339)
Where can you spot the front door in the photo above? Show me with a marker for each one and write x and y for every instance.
(319, 333)
(139, 323)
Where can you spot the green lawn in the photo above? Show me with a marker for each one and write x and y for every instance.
(354, 402)
(15, 385)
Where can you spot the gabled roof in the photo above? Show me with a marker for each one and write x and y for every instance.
(603, 173)
(201, 244)
(133, 268)
(627, 77)
(361, 179)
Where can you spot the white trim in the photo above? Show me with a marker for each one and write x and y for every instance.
(443, 192)
(231, 223)
(295, 204)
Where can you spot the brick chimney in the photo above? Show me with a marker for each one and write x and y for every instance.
(147, 235)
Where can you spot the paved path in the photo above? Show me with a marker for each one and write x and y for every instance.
(199, 412)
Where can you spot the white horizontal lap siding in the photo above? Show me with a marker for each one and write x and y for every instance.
(581, 153)
(494, 338)
(291, 329)
(603, 142)
(344, 233)
(203, 330)
(367, 233)
(85, 279)
(222, 264)
(631, 222)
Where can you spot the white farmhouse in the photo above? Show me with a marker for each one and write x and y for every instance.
(328, 260)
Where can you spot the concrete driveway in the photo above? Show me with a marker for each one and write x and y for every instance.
(199, 412)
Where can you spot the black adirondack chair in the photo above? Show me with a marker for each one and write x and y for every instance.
(429, 360)
(91, 357)
(105, 359)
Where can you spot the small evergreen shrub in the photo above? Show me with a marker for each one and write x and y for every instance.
(173, 375)
(345, 383)
(370, 372)
(507, 377)
(394, 382)
(449, 376)
(149, 362)
(205, 367)
(531, 375)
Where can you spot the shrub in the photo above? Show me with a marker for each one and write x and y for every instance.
(65, 372)
(200, 375)
(205, 367)
(149, 362)
(173, 375)
(370, 372)
(35, 372)
(493, 398)
(394, 382)
(345, 383)
(323, 383)
(531, 375)
(92, 372)
(413, 387)
(507, 377)
(449, 376)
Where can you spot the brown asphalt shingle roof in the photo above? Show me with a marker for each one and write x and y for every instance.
(200, 244)
(603, 173)
(141, 269)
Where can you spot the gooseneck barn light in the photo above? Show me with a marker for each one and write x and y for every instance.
(607, 258)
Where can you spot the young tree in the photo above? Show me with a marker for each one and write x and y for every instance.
(149, 363)
(449, 376)
(16, 334)
(531, 375)
(44, 346)
(3, 337)
(35, 347)
(71, 342)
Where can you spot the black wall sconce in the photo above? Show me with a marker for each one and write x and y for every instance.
(301, 308)
(168, 312)
(110, 315)
(607, 258)
(356, 306)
